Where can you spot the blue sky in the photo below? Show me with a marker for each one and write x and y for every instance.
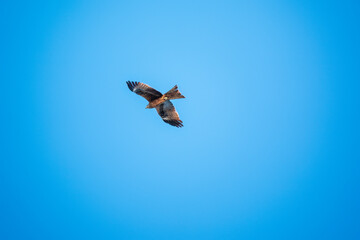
(270, 144)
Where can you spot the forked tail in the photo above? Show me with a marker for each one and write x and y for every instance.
(174, 93)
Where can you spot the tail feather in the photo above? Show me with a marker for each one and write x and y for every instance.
(174, 93)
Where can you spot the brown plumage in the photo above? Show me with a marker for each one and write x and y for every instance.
(160, 102)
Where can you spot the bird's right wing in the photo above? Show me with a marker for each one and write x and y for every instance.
(144, 90)
(168, 114)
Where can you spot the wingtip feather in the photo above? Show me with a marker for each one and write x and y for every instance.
(175, 123)
(131, 85)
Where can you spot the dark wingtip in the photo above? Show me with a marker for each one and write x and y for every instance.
(175, 123)
(132, 85)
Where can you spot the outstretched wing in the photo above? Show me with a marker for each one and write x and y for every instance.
(168, 113)
(144, 90)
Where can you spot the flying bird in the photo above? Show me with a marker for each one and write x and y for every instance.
(161, 102)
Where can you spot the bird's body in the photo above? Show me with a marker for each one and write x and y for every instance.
(161, 102)
(156, 102)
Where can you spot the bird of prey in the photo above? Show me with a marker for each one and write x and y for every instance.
(160, 101)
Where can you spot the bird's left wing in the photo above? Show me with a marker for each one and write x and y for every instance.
(144, 90)
(168, 114)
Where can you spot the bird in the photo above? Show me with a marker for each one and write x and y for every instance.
(161, 102)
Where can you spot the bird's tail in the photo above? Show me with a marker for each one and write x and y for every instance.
(174, 93)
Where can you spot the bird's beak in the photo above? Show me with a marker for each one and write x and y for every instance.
(146, 107)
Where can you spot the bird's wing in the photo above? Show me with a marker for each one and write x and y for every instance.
(168, 113)
(144, 90)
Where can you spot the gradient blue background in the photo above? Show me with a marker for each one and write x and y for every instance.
(270, 147)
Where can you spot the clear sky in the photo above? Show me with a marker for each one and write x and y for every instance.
(270, 144)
